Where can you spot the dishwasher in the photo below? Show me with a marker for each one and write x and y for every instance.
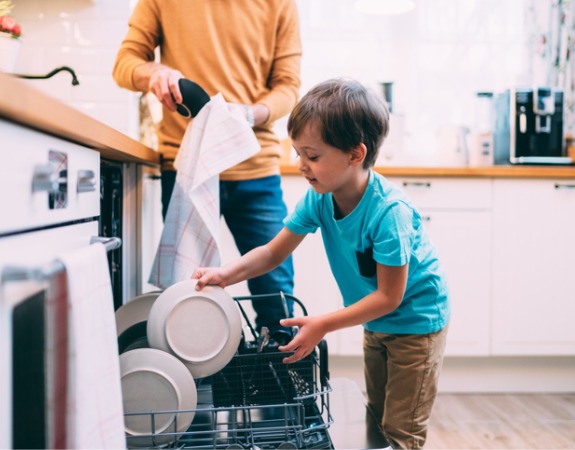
(256, 401)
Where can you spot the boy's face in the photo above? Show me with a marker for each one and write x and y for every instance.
(326, 168)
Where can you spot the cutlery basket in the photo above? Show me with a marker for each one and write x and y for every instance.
(263, 379)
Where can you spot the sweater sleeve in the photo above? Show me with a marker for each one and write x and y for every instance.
(284, 81)
(144, 35)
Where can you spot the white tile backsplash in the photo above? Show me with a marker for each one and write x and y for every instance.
(84, 35)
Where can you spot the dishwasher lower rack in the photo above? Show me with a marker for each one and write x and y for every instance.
(289, 425)
(255, 402)
(271, 421)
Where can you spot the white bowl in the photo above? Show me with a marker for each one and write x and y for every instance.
(153, 381)
(202, 328)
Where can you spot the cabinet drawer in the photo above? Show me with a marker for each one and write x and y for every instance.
(459, 193)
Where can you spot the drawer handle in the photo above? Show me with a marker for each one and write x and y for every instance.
(417, 183)
(564, 186)
(426, 218)
(86, 181)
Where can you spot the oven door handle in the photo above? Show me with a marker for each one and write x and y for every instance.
(42, 273)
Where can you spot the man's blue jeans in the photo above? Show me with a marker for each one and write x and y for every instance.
(254, 211)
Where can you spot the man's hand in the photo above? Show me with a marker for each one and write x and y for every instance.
(163, 83)
(160, 80)
(255, 115)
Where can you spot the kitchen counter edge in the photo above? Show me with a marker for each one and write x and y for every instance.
(502, 171)
(25, 105)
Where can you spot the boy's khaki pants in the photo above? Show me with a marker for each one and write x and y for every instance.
(401, 375)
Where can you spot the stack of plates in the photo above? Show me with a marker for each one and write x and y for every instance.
(166, 339)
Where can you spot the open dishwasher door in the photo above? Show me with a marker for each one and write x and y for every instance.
(353, 425)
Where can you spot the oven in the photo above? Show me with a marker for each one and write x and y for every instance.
(49, 205)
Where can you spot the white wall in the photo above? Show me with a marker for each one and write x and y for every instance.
(438, 56)
(85, 35)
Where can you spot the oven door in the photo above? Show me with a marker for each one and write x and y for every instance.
(33, 334)
(50, 204)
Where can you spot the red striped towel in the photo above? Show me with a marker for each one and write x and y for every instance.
(217, 139)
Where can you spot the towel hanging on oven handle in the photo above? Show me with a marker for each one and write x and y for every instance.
(16, 273)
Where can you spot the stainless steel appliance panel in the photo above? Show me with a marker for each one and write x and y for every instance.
(529, 127)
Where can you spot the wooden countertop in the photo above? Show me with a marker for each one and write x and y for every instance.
(23, 104)
(467, 172)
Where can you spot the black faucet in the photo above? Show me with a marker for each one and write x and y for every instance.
(75, 81)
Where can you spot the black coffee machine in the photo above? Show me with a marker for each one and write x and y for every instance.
(529, 127)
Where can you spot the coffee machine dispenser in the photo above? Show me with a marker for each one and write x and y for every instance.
(529, 127)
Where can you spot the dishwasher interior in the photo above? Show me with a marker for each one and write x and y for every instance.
(255, 402)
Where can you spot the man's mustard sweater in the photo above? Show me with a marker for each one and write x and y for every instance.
(247, 50)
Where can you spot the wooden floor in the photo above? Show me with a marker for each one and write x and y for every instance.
(503, 421)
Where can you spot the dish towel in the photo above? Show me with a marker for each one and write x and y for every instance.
(94, 413)
(218, 138)
(57, 361)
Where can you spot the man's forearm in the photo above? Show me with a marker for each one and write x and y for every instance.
(142, 74)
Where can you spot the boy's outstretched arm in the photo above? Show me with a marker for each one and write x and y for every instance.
(256, 262)
(391, 283)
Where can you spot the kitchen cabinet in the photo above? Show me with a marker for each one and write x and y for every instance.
(457, 214)
(463, 242)
(505, 238)
(457, 217)
(533, 261)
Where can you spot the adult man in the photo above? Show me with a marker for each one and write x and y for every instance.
(250, 52)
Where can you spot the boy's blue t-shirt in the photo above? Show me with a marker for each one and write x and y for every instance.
(386, 228)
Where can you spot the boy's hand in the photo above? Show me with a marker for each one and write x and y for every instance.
(209, 275)
(309, 335)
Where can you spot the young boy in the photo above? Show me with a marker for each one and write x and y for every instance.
(384, 264)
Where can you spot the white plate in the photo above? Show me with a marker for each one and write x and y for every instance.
(135, 311)
(131, 319)
(153, 380)
(202, 328)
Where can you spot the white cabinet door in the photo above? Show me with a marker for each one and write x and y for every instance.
(533, 267)
(463, 242)
(457, 215)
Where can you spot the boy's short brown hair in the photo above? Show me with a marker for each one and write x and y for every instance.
(346, 114)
